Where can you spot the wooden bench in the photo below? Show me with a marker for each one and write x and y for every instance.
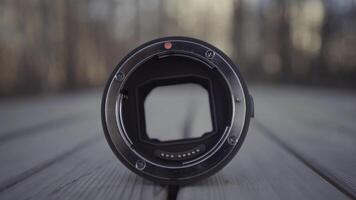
(301, 145)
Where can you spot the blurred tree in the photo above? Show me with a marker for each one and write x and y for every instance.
(62, 45)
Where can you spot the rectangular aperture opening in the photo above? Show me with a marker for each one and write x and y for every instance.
(176, 112)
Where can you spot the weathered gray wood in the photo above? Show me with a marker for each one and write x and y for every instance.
(301, 146)
(21, 157)
(28, 115)
(289, 115)
(262, 170)
(67, 160)
(318, 107)
(91, 173)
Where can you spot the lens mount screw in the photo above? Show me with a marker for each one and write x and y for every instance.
(140, 164)
(237, 100)
(209, 54)
(120, 76)
(232, 140)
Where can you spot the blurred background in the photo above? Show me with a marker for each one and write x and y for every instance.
(298, 57)
(54, 46)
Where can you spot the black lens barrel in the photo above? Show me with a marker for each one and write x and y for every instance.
(172, 61)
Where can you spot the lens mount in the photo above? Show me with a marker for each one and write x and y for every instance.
(166, 62)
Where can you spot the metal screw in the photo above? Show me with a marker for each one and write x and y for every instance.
(209, 54)
(232, 140)
(120, 76)
(140, 164)
(238, 100)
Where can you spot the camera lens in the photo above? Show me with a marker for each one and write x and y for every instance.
(176, 110)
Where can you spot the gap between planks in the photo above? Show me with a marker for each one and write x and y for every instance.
(30, 172)
(313, 166)
(35, 129)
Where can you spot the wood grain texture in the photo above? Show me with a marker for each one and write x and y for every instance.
(33, 114)
(290, 115)
(19, 158)
(300, 146)
(91, 173)
(262, 170)
(68, 160)
(330, 109)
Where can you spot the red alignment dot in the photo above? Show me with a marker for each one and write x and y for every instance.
(167, 45)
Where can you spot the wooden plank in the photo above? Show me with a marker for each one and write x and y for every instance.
(317, 107)
(91, 173)
(262, 170)
(24, 156)
(32, 114)
(289, 116)
(66, 160)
